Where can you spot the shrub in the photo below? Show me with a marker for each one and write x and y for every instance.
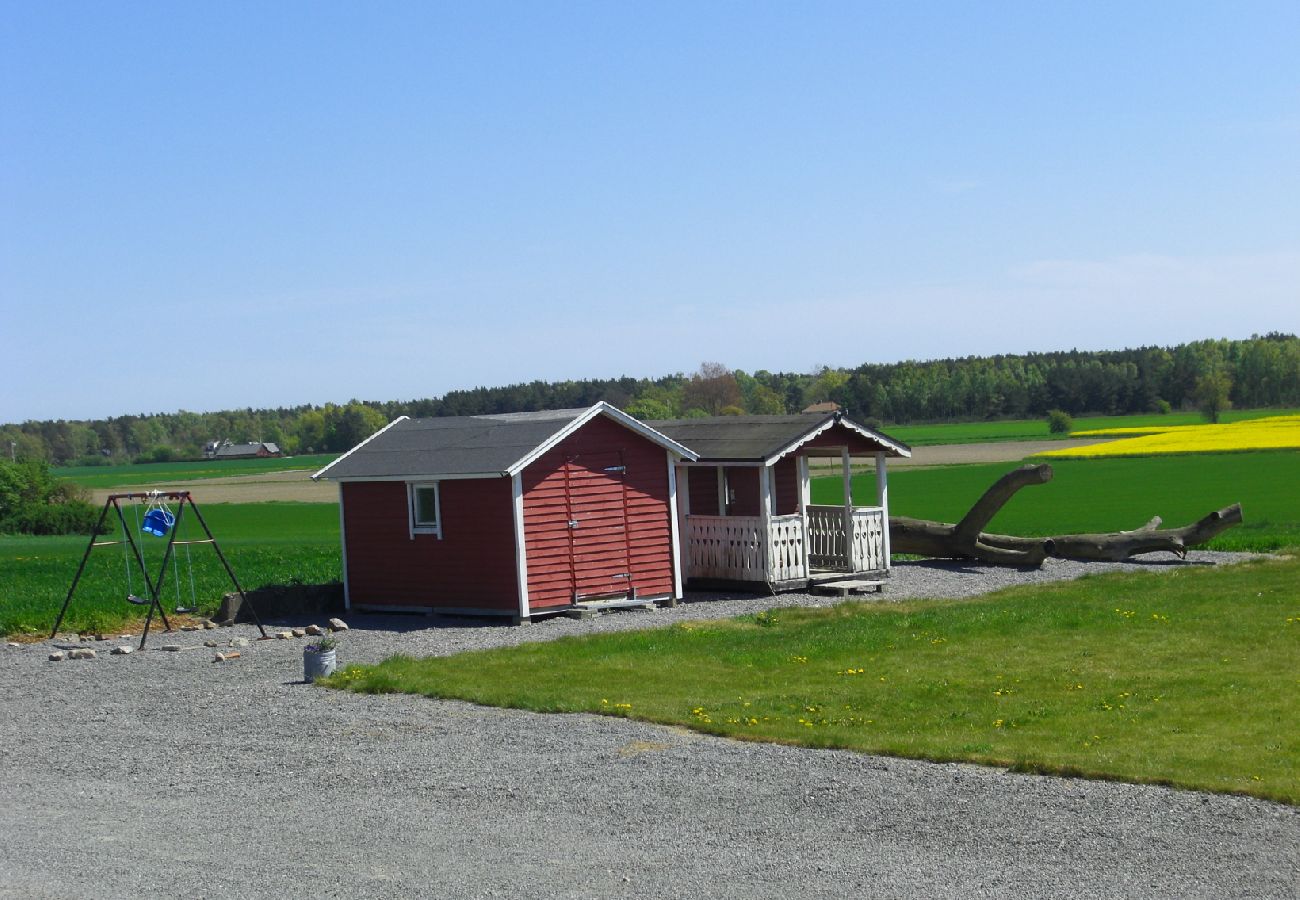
(1059, 422)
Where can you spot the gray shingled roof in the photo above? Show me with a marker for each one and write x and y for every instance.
(752, 438)
(464, 445)
(451, 445)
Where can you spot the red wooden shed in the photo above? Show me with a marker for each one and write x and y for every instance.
(511, 515)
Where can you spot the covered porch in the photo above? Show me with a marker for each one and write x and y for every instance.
(750, 522)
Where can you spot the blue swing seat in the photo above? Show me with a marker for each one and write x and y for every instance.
(158, 522)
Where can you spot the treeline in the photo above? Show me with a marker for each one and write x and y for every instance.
(1263, 371)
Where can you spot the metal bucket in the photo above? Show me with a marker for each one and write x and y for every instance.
(318, 664)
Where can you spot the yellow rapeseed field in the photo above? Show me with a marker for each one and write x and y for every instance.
(1274, 433)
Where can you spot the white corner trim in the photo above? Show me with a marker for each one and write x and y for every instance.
(601, 408)
(674, 525)
(521, 544)
(359, 446)
(343, 538)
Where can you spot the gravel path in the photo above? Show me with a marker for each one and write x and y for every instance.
(165, 774)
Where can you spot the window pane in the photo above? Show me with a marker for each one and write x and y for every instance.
(426, 506)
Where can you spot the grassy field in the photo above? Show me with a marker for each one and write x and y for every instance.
(1108, 495)
(1036, 429)
(1186, 678)
(162, 473)
(266, 543)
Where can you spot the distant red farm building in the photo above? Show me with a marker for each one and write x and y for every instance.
(511, 515)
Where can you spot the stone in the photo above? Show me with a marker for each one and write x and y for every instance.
(228, 654)
(81, 653)
(300, 632)
(13, 644)
(65, 637)
(211, 643)
(283, 635)
(314, 629)
(170, 648)
(208, 625)
(338, 625)
(239, 642)
(56, 656)
(189, 628)
(122, 650)
(101, 637)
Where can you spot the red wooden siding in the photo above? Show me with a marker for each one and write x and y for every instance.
(703, 486)
(785, 493)
(608, 542)
(471, 567)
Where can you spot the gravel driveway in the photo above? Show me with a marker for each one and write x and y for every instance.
(166, 774)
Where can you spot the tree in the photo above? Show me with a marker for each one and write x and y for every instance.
(1212, 390)
(711, 389)
(1059, 422)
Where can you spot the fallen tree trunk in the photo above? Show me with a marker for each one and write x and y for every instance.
(968, 540)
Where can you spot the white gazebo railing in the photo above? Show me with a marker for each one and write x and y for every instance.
(865, 525)
(740, 548)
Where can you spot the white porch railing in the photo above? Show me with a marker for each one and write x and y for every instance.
(738, 548)
(866, 545)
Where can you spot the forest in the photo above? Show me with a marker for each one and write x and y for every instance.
(1262, 371)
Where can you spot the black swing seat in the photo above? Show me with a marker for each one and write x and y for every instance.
(138, 601)
(185, 610)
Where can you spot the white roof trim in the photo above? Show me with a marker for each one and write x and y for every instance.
(829, 422)
(359, 446)
(421, 477)
(601, 408)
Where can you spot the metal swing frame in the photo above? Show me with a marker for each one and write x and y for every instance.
(153, 585)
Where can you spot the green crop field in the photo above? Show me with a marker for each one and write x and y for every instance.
(161, 473)
(1186, 678)
(266, 543)
(1036, 429)
(1108, 495)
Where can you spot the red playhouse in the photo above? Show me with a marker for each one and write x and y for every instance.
(511, 515)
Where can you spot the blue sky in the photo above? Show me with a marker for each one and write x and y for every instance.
(208, 206)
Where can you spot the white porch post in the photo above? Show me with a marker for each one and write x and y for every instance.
(765, 513)
(882, 499)
(848, 507)
(805, 487)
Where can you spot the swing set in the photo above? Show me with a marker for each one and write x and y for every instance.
(158, 521)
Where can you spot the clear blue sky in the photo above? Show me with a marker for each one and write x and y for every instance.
(207, 206)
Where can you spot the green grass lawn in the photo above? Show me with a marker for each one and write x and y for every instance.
(1186, 678)
(1036, 429)
(100, 477)
(266, 543)
(1108, 495)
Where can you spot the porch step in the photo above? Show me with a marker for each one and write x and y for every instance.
(847, 587)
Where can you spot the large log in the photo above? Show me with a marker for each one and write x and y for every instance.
(968, 540)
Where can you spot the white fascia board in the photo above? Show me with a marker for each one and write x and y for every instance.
(801, 440)
(359, 446)
(422, 477)
(601, 408)
(729, 463)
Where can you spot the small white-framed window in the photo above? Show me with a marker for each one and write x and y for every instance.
(424, 509)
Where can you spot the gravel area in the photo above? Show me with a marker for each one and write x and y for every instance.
(166, 774)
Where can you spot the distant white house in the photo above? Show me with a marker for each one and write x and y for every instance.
(228, 450)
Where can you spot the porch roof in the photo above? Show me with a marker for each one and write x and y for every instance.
(767, 438)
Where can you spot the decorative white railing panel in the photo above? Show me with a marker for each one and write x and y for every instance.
(738, 548)
(866, 544)
(787, 561)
